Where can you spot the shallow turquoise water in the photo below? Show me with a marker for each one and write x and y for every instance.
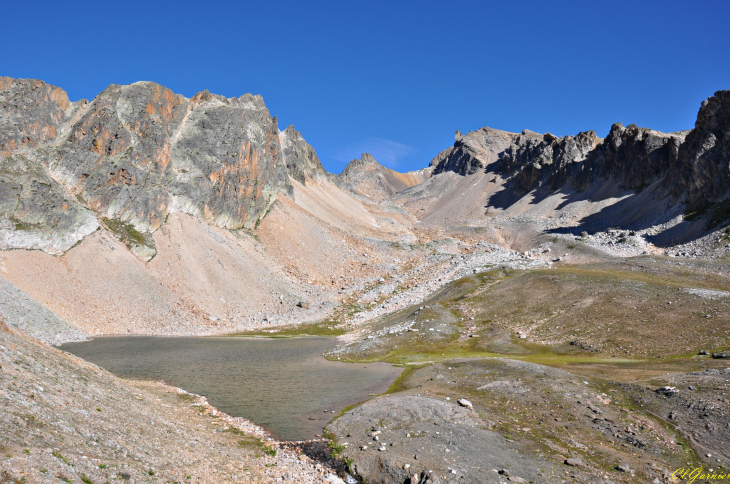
(283, 384)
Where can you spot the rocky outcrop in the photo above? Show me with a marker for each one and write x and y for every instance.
(31, 113)
(692, 165)
(702, 170)
(302, 162)
(139, 152)
(472, 152)
(36, 212)
(633, 157)
(536, 160)
(369, 178)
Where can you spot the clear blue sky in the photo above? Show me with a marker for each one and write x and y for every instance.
(396, 79)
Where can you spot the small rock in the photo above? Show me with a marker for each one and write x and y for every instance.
(303, 305)
(465, 403)
(623, 468)
(724, 355)
(704, 352)
(503, 472)
(515, 479)
(575, 462)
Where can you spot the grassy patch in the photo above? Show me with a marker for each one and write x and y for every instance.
(249, 442)
(127, 234)
(60, 457)
(325, 328)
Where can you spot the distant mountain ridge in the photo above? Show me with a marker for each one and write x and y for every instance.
(692, 164)
(137, 153)
(367, 177)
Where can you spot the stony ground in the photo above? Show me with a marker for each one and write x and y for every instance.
(528, 420)
(589, 345)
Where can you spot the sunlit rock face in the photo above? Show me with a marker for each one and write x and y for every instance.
(137, 153)
(302, 162)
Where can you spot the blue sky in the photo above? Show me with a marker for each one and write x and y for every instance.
(396, 79)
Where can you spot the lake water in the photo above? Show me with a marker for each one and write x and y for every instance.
(282, 384)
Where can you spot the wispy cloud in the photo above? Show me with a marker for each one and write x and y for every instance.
(386, 152)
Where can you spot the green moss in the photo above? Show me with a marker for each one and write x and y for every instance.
(20, 225)
(124, 231)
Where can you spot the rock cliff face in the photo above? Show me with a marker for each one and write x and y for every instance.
(472, 152)
(369, 178)
(702, 170)
(36, 212)
(692, 165)
(141, 151)
(537, 160)
(133, 155)
(633, 157)
(31, 113)
(301, 160)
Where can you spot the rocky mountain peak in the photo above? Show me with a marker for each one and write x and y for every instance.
(32, 113)
(301, 160)
(367, 177)
(139, 152)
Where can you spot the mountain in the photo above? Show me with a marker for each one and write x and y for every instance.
(134, 155)
(369, 178)
(144, 212)
(511, 187)
(172, 215)
(197, 216)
